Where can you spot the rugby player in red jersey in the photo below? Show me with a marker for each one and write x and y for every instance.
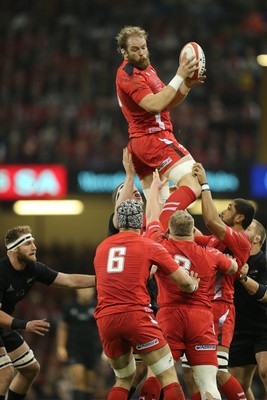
(229, 236)
(145, 102)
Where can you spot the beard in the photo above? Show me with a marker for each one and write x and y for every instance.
(22, 258)
(141, 63)
(229, 222)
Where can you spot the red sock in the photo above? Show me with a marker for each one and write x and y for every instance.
(180, 199)
(173, 391)
(232, 390)
(118, 393)
(195, 396)
(150, 389)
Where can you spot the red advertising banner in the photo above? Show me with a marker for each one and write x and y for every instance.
(32, 181)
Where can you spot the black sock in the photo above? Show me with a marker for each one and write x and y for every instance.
(15, 396)
(131, 392)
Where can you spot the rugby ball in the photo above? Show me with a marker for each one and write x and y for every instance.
(193, 49)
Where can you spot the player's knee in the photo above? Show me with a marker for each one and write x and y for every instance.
(182, 172)
(222, 377)
(163, 364)
(7, 374)
(30, 371)
(223, 358)
(126, 372)
(263, 373)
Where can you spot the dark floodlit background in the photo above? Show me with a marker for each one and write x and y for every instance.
(59, 106)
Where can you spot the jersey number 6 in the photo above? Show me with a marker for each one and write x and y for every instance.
(116, 259)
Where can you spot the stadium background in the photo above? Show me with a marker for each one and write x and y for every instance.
(59, 106)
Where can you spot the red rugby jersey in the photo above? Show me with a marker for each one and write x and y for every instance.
(122, 264)
(203, 260)
(238, 245)
(132, 86)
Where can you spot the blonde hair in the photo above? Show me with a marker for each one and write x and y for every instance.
(181, 223)
(14, 233)
(126, 33)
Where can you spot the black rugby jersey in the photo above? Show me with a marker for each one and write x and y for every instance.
(82, 328)
(14, 285)
(251, 314)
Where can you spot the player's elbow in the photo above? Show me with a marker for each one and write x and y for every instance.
(188, 288)
(154, 109)
(186, 284)
(151, 105)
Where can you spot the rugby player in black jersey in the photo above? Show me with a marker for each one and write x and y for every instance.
(78, 343)
(19, 270)
(248, 349)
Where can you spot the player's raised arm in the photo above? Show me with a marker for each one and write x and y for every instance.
(153, 207)
(209, 211)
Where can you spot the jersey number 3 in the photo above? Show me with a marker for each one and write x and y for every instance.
(116, 259)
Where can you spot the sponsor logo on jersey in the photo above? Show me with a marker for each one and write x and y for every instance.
(164, 163)
(204, 347)
(154, 129)
(147, 345)
(10, 289)
(30, 281)
(167, 141)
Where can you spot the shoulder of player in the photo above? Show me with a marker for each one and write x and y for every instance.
(153, 245)
(207, 253)
(237, 236)
(37, 266)
(130, 70)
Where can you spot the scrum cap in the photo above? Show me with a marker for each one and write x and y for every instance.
(130, 214)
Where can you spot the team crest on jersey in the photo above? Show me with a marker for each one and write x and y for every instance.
(205, 347)
(147, 345)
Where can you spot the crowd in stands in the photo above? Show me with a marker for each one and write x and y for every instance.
(59, 58)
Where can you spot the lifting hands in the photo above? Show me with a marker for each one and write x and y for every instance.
(199, 172)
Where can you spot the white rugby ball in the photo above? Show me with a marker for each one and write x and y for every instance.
(193, 49)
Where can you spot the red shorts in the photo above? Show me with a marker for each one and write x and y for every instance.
(158, 150)
(190, 330)
(136, 329)
(224, 321)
